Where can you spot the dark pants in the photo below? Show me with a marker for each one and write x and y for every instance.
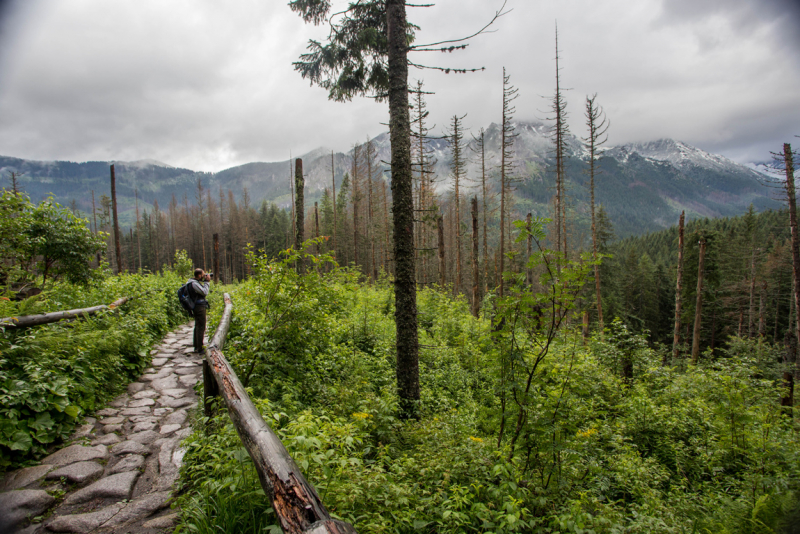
(199, 326)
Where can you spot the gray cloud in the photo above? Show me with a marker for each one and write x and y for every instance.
(208, 85)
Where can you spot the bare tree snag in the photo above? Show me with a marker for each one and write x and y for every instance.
(216, 258)
(762, 305)
(528, 270)
(598, 126)
(751, 320)
(676, 337)
(116, 220)
(299, 185)
(507, 136)
(698, 311)
(442, 265)
(476, 297)
(333, 178)
(295, 501)
(788, 160)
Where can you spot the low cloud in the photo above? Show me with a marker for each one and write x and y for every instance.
(209, 85)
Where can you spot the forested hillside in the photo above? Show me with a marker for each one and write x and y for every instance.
(747, 290)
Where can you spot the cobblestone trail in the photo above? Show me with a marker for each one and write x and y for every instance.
(116, 476)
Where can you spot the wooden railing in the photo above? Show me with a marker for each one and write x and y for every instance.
(295, 501)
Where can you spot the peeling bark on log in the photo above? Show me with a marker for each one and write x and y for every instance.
(295, 501)
(27, 321)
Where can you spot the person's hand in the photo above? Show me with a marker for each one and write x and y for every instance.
(208, 277)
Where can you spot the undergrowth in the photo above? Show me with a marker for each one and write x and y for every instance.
(705, 449)
(51, 375)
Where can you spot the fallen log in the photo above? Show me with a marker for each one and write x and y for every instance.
(295, 501)
(27, 321)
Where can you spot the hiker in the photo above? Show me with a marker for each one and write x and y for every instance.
(199, 289)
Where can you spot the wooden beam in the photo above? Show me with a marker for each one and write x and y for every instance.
(295, 501)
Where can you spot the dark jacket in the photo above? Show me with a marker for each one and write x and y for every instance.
(199, 291)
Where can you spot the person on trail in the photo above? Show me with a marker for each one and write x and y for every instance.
(199, 290)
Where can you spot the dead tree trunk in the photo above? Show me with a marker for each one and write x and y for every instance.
(699, 306)
(476, 300)
(528, 270)
(299, 185)
(676, 337)
(333, 178)
(216, 258)
(751, 324)
(296, 503)
(116, 220)
(762, 305)
(789, 163)
(27, 321)
(316, 223)
(440, 231)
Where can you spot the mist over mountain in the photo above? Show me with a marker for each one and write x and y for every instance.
(642, 186)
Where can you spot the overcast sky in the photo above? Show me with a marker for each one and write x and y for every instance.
(207, 85)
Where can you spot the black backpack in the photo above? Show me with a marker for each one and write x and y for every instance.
(186, 298)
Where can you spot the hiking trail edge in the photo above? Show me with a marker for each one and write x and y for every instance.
(117, 474)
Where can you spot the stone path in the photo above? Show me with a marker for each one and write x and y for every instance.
(117, 475)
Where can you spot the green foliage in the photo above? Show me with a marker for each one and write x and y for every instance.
(595, 448)
(53, 374)
(43, 240)
(183, 265)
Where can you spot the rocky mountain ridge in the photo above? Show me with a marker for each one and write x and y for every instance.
(643, 186)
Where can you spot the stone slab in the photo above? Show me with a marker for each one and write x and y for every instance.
(108, 439)
(76, 453)
(146, 394)
(23, 477)
(176, 403)
(161, 411)
(138, 403)
(107, 412)
(110, 429)
(144, 410)
(18, 505)
(116, 420)
(135, 387)
(189, 380)
(128, 463)
(119, 402)
(129, 447)
(176, 418)
(79, 473)
(164, 521)
(158, 362)
(143, 427)
(176, 393)
(82, 431)
(143, 506)
(169, 429)
(161, 384)
(117, 486)
(145, 438)
(82, 523)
